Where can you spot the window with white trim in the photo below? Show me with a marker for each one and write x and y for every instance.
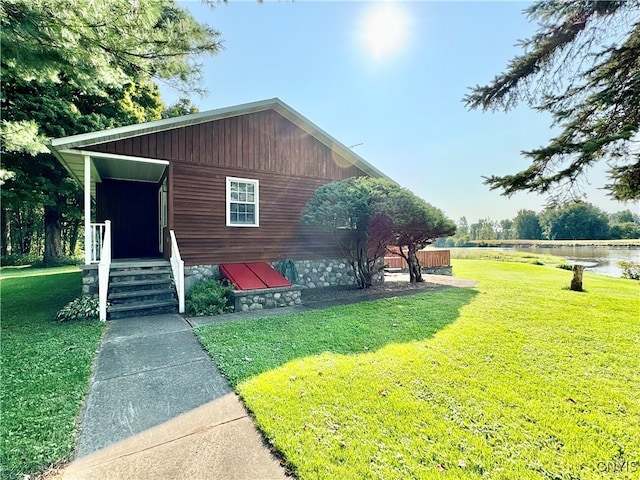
(242, 202)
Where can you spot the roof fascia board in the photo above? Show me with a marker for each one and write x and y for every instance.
(114, 156)
(129, 131)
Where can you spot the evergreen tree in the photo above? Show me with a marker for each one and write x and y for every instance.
(72, 66)
(583, 67)
(413, 224)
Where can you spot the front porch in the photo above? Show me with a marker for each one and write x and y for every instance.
(127, 235)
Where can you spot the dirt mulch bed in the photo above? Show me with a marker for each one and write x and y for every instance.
(351, 294)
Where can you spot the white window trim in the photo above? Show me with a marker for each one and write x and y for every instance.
(257, 201)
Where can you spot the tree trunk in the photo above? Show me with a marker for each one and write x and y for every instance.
(576, 281)
(364, 273)
(74, 228)
(415, 269)
(5, 237)
(52, 236)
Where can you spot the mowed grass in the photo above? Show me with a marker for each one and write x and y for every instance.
(504, 256)
(29, 271)
(531, 380)
(45, 371)
(248, 348)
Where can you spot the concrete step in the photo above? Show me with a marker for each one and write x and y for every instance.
(148, 307)
(124, 272)
(140, 263)
(145, 284)
(135, 294)
(141, 288)
(132, 276)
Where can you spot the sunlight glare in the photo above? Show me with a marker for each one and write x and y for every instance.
(384, 30)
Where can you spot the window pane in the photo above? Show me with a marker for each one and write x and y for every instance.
(242, 201)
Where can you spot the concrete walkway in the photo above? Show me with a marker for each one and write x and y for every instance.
(159, 408)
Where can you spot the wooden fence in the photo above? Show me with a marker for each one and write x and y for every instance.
(428, 258)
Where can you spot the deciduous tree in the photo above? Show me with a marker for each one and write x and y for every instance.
(527, 225)
(367, 215)
(575, 221)
(348, 209)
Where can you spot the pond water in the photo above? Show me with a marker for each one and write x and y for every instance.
(605, 258)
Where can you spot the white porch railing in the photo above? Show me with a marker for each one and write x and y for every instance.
(177, 266)
(103, 269)
(96, 237)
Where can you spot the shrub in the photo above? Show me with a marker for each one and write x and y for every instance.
(35, 260)
(209, 297)
(19, 259)
(630, 270)
(79, 309)
(564, 266)
(288, 269)
(62, 261)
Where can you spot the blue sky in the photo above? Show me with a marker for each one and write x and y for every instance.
(404, 108)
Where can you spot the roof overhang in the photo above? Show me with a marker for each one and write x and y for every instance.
(107, 165)
(65, 148)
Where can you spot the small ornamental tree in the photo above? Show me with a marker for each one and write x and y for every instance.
(413, 224)
(367, 215)
(348, 209)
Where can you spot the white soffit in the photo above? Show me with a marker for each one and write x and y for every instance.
(118, 167)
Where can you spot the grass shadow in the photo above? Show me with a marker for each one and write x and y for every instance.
(247, 348)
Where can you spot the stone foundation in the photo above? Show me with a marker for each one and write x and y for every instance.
(90, 284)
(194, 274)
(323, 273)
(249, 300)
(311, 273)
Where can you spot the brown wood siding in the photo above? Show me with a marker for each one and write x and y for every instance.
(263, 141)
(289, 163)
(199, 218)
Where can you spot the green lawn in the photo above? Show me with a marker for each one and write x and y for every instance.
(519, 378)
(45, 370)
(29, 271)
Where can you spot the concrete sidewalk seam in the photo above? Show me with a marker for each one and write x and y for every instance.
(155, 369)
(167, 442)
(123, 338)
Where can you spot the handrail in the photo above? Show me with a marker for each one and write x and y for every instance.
(103, 270)
(177, 266)
(95, 246)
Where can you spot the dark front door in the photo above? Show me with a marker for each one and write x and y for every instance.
(132, 208)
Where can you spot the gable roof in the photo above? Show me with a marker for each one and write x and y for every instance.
(67, 149)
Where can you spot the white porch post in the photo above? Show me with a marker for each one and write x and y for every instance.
(88, 241)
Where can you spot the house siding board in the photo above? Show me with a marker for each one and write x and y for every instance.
(289, 163)
(263, 141)
(200, 218)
